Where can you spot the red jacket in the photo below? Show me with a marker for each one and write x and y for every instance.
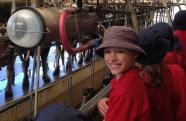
(178, 92)
(128, 99)
(176, 57)
(168, 102)
(132, 100)
(181, 35)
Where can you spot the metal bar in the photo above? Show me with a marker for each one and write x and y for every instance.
(90, 105)
(177, 2)
(167, 11)
(133, 15)
(37, 79)
(32, 88)
(69, 81)
(13, 7)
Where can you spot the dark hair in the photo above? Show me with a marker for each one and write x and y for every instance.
(150, 64)
(151, 75)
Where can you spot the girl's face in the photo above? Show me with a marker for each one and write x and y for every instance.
(119, 60)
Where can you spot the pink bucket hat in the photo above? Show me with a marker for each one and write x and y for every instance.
(120, 36)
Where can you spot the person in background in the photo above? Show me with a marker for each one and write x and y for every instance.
(179, 24)
(174, 55)
(165, 31)
(60, 112)
(166, 84)
(128, 97)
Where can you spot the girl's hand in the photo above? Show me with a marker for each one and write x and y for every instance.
(103, 106)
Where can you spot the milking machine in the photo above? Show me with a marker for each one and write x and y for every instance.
(31, 27)
(7, 50)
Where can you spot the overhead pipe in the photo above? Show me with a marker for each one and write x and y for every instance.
(8, 3)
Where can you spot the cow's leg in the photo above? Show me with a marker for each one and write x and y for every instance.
(81, 58)
(88, 55)
(10, 76)
(63, 56)
(25, 65)
(57, 66)
(74, 58)
(44, 55)
(69, 63)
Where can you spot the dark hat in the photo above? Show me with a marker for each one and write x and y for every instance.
(165, 32)
(154, 46)
(119, 36)
(60, 112)
(179, 21)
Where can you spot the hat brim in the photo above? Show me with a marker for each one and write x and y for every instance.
(100, 50)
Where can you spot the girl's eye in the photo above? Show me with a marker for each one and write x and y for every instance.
(107, 51)
(121, 51)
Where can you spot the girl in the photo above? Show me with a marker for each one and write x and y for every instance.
(128, 98)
